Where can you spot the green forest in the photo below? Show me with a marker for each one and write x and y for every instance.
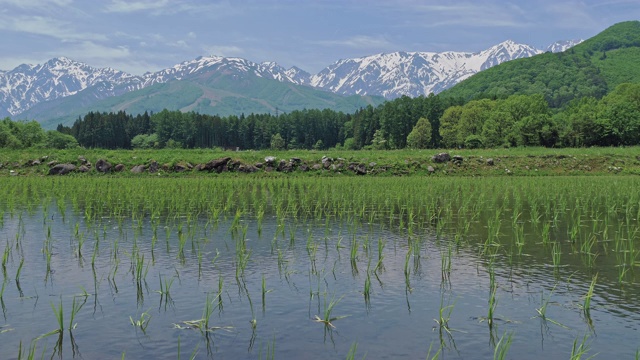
(423, 122)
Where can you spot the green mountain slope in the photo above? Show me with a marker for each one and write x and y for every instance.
(219, 93)
(592, 68)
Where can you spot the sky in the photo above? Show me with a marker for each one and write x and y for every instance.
(150, 35)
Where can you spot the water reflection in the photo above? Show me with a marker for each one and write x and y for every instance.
(238, 287)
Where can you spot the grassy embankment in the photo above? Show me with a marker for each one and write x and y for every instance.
(516, 161)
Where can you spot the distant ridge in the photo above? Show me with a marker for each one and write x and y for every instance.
(51, 90)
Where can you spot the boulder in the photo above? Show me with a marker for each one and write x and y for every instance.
(232, 165)
(153, 166)
(457, 159)
(52, 163)
(317, 166)
(430, 169)
(361, 169)
(303, 168)
(119, 168)
(285, 166)
(83, 168)
(138, 169)
(247, 168)
(326, 162)
(103, 166)
(217, 165)
(82, 159)
(180, 167)
(270, 161)
(441, 157)
(62, 169)
(490, 162)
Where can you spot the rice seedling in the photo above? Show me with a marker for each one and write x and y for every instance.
(435, 356)
(407, 270)
(578, 350)
(556, 254)
(165, 288)
(5, 258)
(379, 265)
(493, 302)
(203, 324)
(265, 291)
(444, 314)
(29, 353)
(546, 231)
(17, 278)
(586, 305)
(327, 316)
(270, 353)
(351, 355)
(502, 347)
(142, 323)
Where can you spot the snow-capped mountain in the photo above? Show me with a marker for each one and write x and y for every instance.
(413, 73)
(28, 85)
(390, 75)
(561, 46)
(205, 64)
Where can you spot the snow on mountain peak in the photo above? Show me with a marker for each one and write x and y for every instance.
(388, 74)
(413, 73)
(563, 45)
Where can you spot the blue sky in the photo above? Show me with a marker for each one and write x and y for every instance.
(149, 35)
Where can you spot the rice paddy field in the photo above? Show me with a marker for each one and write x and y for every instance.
(320, 268)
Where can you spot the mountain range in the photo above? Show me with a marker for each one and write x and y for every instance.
(62, 89)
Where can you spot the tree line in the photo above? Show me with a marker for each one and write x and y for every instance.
(422, 122)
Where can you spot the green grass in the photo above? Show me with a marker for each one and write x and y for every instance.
(519, 161)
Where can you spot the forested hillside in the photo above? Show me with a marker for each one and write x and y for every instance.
(590, 69)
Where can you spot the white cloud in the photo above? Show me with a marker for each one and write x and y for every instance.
(36, 4)
(359, 42)
(9, 63)
(466, 14)
(122, 6)
(91, 50)
(223, 50)
(45, 26)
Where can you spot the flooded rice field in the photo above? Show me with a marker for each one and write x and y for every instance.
(320, 268)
